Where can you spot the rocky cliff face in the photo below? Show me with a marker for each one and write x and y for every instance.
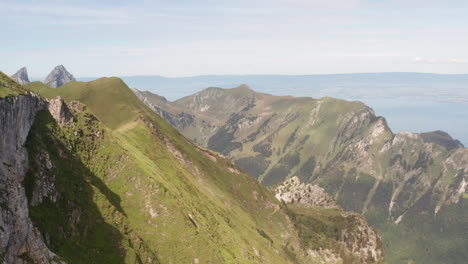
(20, 241)
(180, 119)
(21, 76)
(60, 112)
(393, 179)
(58, 77)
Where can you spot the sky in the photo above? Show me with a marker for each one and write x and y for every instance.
(187, 37)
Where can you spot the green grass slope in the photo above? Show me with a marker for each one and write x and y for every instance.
(120, 185)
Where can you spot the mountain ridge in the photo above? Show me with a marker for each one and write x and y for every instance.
(342, 146)
(404, 100)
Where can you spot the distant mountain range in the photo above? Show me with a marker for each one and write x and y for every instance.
(413, 187)
(349, 86)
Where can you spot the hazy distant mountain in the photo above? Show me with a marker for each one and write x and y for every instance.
(58, 77)
(21, 76)
(439, 87)
(409, 185)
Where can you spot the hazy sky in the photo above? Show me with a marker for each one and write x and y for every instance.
(188, 37)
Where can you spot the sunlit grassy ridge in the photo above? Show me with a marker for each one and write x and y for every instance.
(108, 98)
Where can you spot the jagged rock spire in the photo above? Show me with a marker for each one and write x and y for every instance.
(21, 76)
(58, 77)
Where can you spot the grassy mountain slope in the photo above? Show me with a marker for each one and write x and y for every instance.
(118, 184)
(408, 185)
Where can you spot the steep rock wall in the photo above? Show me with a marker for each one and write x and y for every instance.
(20, 242)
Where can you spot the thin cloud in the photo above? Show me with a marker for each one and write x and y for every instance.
(462, 61)
(437, 60)
(317, 3)
(66, 11)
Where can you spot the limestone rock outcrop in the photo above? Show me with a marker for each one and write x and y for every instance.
(309, 195)
(358, 237)
(60, 111)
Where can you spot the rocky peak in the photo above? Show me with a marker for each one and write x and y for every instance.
(21, 76)
(58, 77)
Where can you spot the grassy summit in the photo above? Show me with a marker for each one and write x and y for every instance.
(109, 98)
